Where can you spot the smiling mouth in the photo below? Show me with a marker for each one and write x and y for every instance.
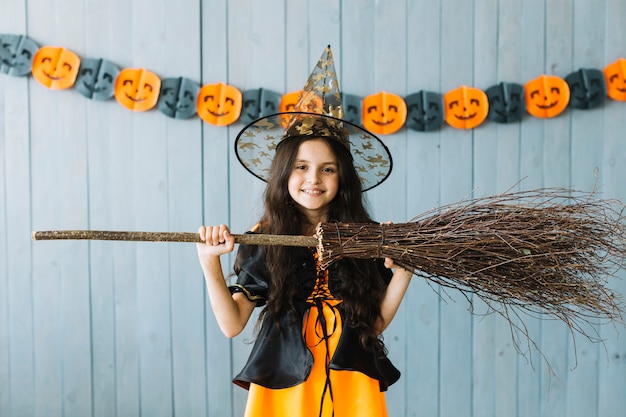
(312, 192)
(51, 77)
(548, 106)
(471, 116)
(217, 114)
(383, 123)
(136, 100)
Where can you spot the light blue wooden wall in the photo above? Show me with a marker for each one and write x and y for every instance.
(124, 329)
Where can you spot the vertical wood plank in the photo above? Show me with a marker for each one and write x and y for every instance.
(484, 348)
(422, 321)
(257, 61)
(556, 160)
(216, 150)
(17, 385)
(109, 274)
(184, 181)
(5, 375)
(508, 174)
(60, 273)
(390, 69)
(533, 21)
(457, 154)
(586, 158)
(612, 371)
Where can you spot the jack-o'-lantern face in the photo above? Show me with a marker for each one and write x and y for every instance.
(587, 88)
(289, 101)
(383, 113)
(258, 103)
(425, 111)
(506, 102)
(546, 96)
(96, 78)
(16, 54)
(55, 67)
(615, 76)
(466, 107)
(351, 108)
(177, 98)
(137, 89)
(219, 104)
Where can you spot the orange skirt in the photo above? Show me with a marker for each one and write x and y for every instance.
(347, 393)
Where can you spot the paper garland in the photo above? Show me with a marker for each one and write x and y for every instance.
(219, 104)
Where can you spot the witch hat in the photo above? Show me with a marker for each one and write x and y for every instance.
(318, 113)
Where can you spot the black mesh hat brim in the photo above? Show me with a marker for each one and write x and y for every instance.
(256, 144)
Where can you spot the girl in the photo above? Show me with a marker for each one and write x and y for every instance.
(318, 351)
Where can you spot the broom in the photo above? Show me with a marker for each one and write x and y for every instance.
(547, 251)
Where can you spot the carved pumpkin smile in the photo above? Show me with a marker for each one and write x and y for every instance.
(383, 113)
(228, 101)
(55, 68)
(137, 89)
(466, 107)
(615, 76)
(463, 117)
(544, 106)
(546, 96)
(383, 123)
(219, 104)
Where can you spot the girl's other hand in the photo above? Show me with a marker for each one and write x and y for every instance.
(217, 241)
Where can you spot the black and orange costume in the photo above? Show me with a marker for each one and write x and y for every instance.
(311, 363)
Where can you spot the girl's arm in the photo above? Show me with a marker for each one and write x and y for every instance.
(232, 312)
(393, 294)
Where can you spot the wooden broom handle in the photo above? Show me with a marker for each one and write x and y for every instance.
(248, 239)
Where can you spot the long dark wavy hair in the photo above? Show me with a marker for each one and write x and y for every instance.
(361, 303)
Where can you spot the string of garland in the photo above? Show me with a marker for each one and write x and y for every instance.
(220, 104)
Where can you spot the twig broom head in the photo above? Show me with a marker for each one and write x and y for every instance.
(547, 251)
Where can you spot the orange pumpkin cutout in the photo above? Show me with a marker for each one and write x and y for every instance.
(55, 67)
(288, 103)
(546, 96)
(383, 113)
(137, 89)
(219, 104)
(615, 76)
(466, 107)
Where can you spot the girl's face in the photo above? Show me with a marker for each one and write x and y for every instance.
(314, 179)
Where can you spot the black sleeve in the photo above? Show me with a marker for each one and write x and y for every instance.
(252, 279)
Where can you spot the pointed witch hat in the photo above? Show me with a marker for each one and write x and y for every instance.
(318, 113)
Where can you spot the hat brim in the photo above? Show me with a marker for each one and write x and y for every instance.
(256, 143)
